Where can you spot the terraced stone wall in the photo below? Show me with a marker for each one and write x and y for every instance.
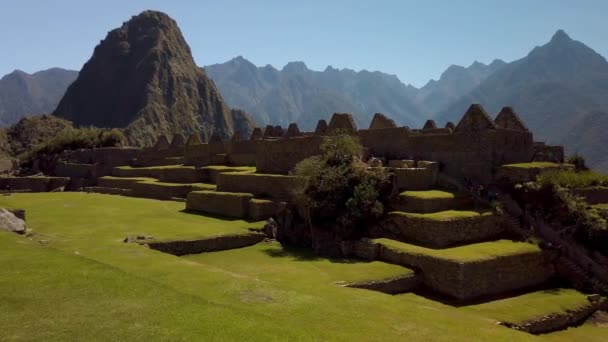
(438, 233)
(64, 169)
(261, 185)
(162, 192)
(220, 203)
(470, 280)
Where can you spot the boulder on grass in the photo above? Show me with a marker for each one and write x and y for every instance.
(11, 223)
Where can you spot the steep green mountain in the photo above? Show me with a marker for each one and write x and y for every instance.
(454, 82)
(22, 94)
(557, 87)
(298, 94)
(142, 77)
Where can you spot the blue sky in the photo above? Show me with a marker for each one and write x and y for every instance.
(416, 40)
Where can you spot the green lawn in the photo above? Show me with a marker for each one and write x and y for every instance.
(428, 194)
(469, 253)
(76, 280)
(447, 215)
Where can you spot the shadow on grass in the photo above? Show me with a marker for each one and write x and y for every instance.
(305, 254)
(548, 287)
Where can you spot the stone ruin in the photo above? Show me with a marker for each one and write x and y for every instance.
(380, 121)
(194, 139)
(178, 141)
(429, 124)
(293, 131)
(321, 127)
(162, 143)
(342, 121)
(508, 119)
(256, 134)
(475, 119)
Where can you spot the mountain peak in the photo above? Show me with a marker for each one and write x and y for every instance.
(139, 71)
(295, 67)
(561, 36)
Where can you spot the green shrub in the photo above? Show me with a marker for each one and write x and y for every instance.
(571, 179)
(77, 138)
(340, 192)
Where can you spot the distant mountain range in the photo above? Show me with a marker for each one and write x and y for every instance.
(560, 89)
(22, 94)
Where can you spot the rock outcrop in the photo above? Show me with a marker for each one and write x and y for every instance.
(142, 77)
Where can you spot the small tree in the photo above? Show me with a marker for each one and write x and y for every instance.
(339, 191)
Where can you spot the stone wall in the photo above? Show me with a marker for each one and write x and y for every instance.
(260, 209)
(33, 184)
(437, 233)
(211, 244)
(420, 178)
(181, 174)
(227, 204)
(546, 153)
(470, 280)
(65, 169)
(558, 321)
(261, 185)
(158, 191)
(280, 156)
(470, 154)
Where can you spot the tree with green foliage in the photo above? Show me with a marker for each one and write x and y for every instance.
(340, 192)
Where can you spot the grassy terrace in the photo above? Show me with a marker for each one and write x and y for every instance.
(276, 265)
(474, 252)
(154, 181)
(164, 167)
(224, 168)
(533, 305)
(447, 215)
(76, 280)
(428, 194)
(533, 165)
